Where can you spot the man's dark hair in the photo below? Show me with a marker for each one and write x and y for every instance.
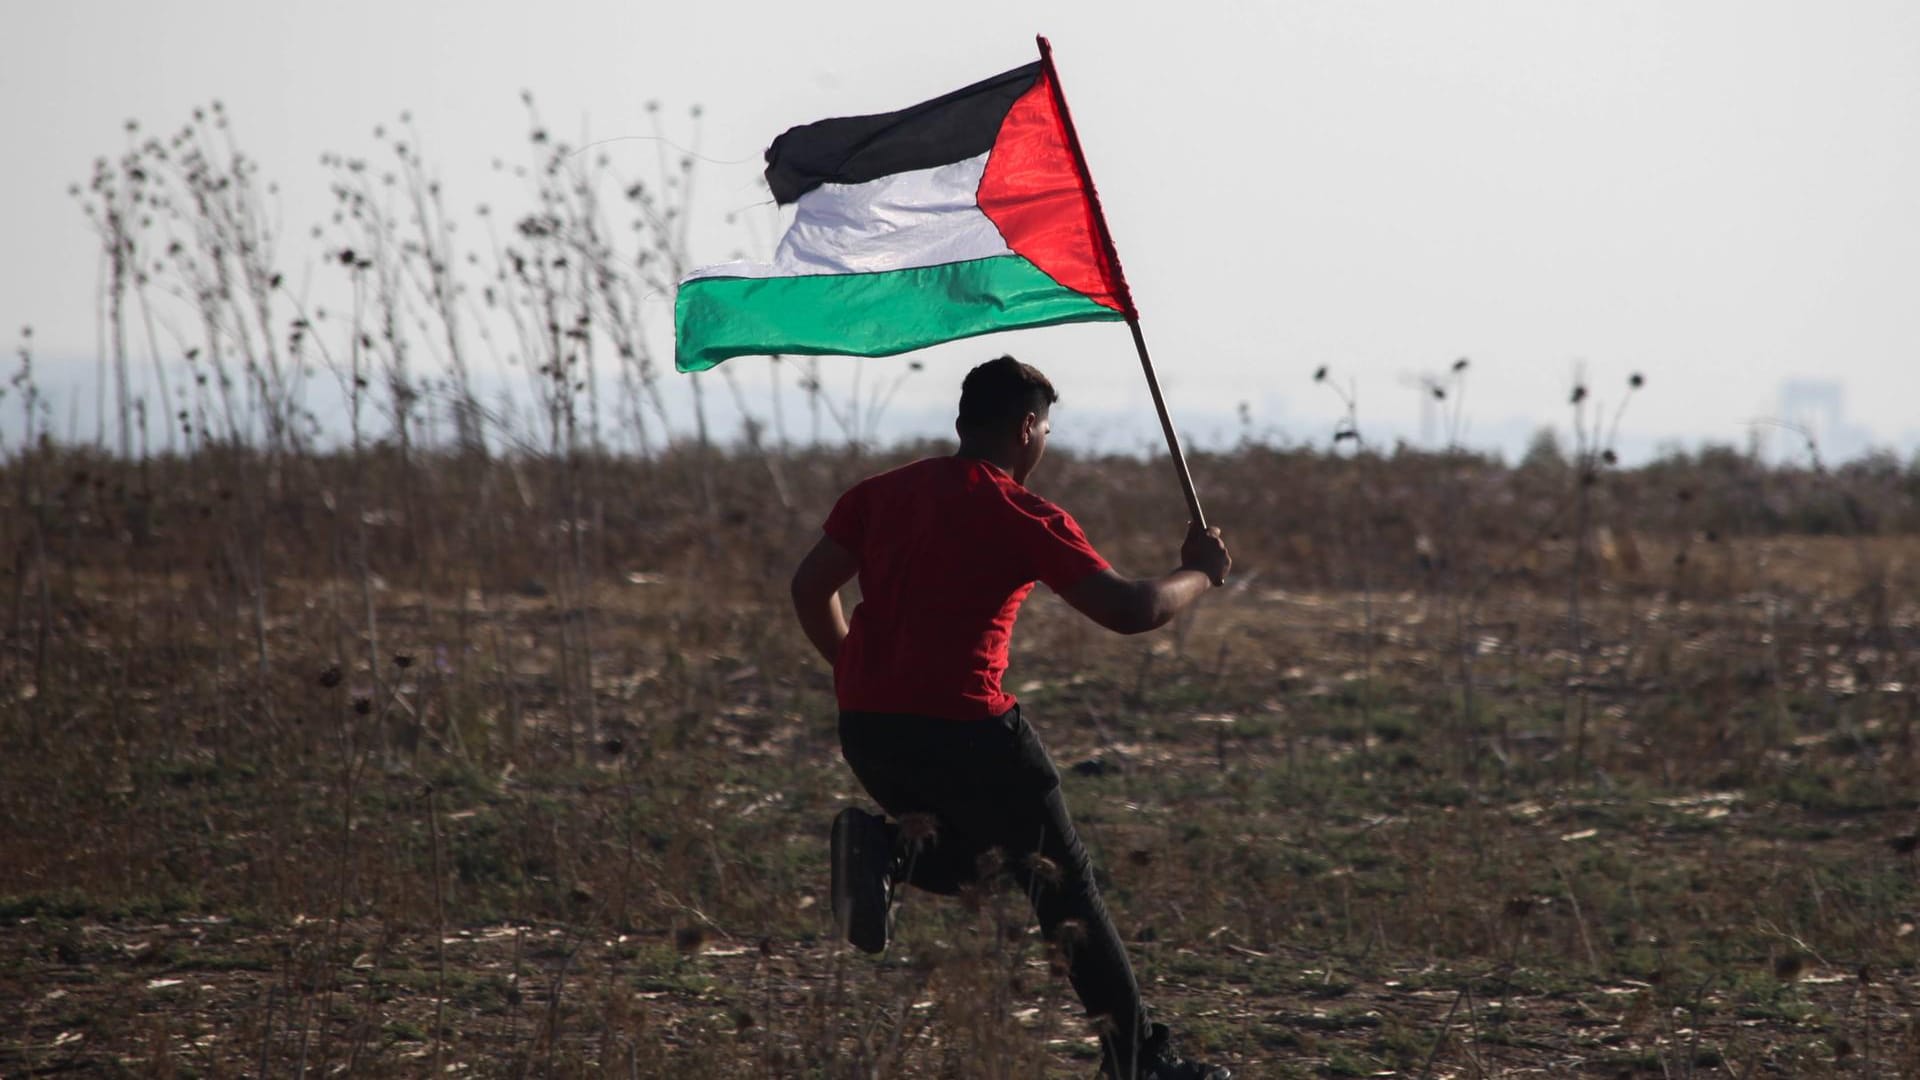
(1001, 391)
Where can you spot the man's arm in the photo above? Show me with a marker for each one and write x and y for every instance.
(1137, 605)
(816, 595)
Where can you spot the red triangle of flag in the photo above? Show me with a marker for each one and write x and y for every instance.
(1033, 193)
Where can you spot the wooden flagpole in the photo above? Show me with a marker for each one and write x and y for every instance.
(1120, 283)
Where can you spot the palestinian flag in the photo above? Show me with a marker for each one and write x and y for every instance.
(958, 216)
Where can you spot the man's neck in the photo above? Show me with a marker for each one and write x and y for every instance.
(998, 458)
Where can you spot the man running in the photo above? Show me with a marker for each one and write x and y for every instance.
(946, 549)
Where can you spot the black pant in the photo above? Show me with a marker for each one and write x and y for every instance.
(995, 798)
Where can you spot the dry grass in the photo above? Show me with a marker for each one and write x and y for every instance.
(499, 800)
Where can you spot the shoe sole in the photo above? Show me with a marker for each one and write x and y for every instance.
(861, 854)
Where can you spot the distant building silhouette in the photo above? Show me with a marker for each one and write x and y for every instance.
(1818, 408)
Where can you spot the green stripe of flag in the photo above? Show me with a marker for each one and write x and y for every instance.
(868, 314)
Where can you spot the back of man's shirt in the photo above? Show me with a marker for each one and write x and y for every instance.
(948, 549)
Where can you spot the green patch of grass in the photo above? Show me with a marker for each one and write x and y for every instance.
(403, 1031)
(70, 904)
(1277, 1037)
(1336, 1020)
(61, 904)
(1349, 1063)
(1401, 1045)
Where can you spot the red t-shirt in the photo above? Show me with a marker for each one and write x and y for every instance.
(948, 548)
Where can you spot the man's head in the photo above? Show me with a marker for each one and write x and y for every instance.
(1003, 414)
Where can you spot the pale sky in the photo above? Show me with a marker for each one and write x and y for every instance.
(1719, 194)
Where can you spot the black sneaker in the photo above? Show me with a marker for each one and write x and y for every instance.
(1156, 1061)
(862, 878)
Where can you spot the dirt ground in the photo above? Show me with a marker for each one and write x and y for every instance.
(1345, 833)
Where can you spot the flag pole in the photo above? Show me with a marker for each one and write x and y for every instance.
(1124, 294)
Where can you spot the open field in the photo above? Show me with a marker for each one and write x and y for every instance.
(387, 767)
